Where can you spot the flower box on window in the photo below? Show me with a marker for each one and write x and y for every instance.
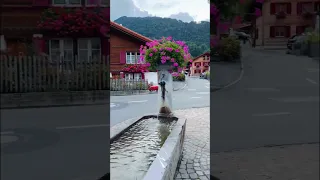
(307, 15)
(281, 15)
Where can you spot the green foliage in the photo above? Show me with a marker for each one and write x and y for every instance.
(207, 75)
(314, 37)
(196, 35)
(180, 77)
(230, 48)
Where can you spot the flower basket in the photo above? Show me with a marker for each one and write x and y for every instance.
(66, 21)
(281, 15)
(135, 68)
(165, 52)
(307, 15)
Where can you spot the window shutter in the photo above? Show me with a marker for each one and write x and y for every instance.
(299, 8)
(272, 31)
(122, 57)
(42, 3)
(272, 8)
(289, 8)
(288, 31)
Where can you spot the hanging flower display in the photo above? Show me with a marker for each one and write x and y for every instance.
(135, 68)
(67, 21)
(165, 51)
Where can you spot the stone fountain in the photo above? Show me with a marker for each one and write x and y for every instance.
(149, 148)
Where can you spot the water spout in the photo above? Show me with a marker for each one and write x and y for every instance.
(165, 92)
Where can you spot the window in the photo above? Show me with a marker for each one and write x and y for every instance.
(128, 76)
(137, 76)
(89, 49)
(98, 2)
(306, 7)
(132, 57)
(61, 49)
(67, 2)
(280, 31)
(281, 8)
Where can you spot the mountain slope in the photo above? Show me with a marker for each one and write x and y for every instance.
(196, 35)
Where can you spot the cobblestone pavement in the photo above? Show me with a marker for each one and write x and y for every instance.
(291, 162)
(195, 163)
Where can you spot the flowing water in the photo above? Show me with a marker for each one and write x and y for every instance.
(134, 151)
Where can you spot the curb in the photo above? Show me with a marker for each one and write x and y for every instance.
(185, 84)
(214, 89)
(127, 93)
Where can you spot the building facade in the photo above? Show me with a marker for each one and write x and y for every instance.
(200, 64)
(24, 36)
(282, 19)
(124, 52)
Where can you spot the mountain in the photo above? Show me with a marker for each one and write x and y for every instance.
(185, 17)
(196, 35)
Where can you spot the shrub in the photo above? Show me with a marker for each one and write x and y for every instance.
(207, 75)
(230, 49)
(180, 77)
(314, 37)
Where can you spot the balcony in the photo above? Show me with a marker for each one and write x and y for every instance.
(281, 15)
(307, 15)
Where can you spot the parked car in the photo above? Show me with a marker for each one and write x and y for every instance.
(291, 41)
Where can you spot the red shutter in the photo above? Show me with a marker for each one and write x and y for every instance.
(272, 33)
(122, 57)
(288, 31)
(272, 8)
(289, 8)
(299, 8)
(43, 3)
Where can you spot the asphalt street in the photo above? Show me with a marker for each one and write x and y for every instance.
(48, 143)
(195, 94)
(276, 102)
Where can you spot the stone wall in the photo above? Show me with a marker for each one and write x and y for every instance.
(165, 165)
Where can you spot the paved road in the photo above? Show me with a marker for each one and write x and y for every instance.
(48, 143)
(195, 94)
(276, 102)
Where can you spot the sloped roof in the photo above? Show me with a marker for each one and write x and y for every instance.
(204, 54)
(129, 32)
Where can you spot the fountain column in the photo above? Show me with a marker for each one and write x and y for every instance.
(165, 90)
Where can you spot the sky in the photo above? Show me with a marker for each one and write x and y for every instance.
(185, 10)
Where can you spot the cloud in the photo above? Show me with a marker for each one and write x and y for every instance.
(185, 17)
(127, 8)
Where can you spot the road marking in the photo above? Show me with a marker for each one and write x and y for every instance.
(263, 89)
(273, 114)
(195, 97)
(311, 70)
(84, 126)
(207, 86)
(311, 81)
(7, 132)
(202, 92)
(297, 99)
(138, 101)
(191, 89)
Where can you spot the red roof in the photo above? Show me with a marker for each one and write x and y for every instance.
(204, 54)
(129, 32)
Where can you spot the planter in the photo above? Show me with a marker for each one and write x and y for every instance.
(140, 147)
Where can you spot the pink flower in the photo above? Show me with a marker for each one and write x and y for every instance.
(168, 57)
(154, 50)
(148, 64)
(177, 50)
(190, 60)
(258, 12)
(175, 74)
(175, 64)
(169, 38)
(150, 54)
(172, 59)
